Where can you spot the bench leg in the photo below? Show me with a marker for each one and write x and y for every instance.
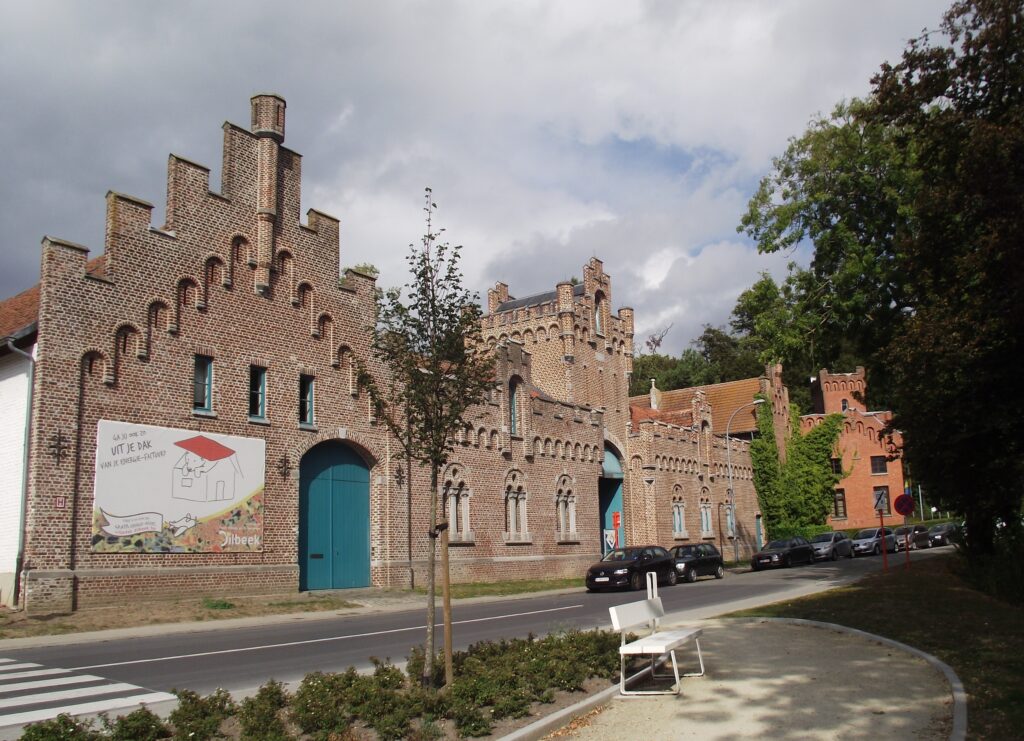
(677, 687)
(700, 657)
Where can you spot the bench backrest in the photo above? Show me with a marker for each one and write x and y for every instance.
(630, 615)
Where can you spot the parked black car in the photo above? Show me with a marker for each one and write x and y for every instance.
(626, 568)
(943, 534)
(832, 546)
(784, 552)
(699, 559)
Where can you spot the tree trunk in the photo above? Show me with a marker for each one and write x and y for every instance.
(428, 660)
(446, 603)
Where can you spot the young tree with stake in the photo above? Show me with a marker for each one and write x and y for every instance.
(428, 339)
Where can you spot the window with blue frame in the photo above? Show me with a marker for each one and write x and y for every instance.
(513, 407)
(257, 392)
(202, 384)
(306, 396)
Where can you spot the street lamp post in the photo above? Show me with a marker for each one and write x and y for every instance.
(732, 492)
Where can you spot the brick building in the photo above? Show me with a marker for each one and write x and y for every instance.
(869, 457)
(185, 417)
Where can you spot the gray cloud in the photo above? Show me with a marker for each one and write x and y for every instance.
(549, 132)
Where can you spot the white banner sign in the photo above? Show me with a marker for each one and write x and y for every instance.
(163, 490)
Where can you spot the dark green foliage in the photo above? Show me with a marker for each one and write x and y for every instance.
(198, 718)
(61, 728)
(914, 200)
(795, 496)
(260, 715)
(322, 702)
(139, 725)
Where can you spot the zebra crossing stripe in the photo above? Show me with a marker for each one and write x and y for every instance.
(36, 673)
(54, 682)
(60, 695)
(99, 706)
(15, 667)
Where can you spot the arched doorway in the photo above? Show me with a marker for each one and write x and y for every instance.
(613, 525)
(334, 518)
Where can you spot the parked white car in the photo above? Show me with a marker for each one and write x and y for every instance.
(871, 541)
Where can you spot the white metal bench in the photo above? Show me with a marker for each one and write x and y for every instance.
(656, 645)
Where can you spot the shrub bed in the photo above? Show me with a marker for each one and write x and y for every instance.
(493, 680)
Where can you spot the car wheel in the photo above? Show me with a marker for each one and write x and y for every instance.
(673, 578)
(877, 549)
(720, 572)
(591, 590)
(834, 555)
(636, 582)
(690, 575)
(785, 562)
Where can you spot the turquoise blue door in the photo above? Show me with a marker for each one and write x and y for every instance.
(334, 518)
(613, 525)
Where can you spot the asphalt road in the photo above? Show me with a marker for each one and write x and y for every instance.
(240, 659)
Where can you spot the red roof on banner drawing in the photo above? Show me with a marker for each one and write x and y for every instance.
(209, 449)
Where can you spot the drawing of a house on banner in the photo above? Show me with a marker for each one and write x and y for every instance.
(206, 471)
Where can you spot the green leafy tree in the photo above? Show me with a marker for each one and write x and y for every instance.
(959, 100)
(436, 368)
(914, 202)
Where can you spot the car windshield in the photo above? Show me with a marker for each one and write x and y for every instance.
(777, 544)
(938, 528)
(623, 554)
(823, 538)
(685, 550)
(902, 530)
(865, 534)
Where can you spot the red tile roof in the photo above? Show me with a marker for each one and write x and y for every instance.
(724, 398)
(18, 312)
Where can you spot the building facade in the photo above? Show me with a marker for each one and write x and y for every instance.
(867, 454)
(189, 421)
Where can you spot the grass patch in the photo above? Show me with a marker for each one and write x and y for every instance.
(503, 588)
(933, 608)
(211, 603)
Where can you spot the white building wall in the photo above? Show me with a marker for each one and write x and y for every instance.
(14, 392)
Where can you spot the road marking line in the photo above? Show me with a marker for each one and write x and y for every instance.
(41, 697)
(31, 716)
(320, 640)
(56, 681)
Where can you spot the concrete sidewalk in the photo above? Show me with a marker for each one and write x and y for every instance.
(780, 680)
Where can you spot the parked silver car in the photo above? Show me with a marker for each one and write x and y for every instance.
(872, 540)
(831, 546)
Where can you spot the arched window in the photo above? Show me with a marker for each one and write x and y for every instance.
(457, 498)
(516, 530)
(730, 522)
(678, 515)
(599, 313)
(706, 522)
(565, 509)
(845, 404)
(513, 406)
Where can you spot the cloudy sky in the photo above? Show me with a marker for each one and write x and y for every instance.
(550, 132)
